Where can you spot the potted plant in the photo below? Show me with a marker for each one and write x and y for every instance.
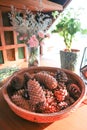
(67, 26)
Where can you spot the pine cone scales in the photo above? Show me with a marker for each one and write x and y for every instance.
(60, 94)
(74, 90)
(46, 79)
(20, 92)
(61, 76)
(36, 92)
(20, 101)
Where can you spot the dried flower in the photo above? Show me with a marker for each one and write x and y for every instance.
(30, 27)
(41, 34)
(33, 41)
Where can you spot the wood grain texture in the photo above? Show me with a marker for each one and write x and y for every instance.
(32, 4)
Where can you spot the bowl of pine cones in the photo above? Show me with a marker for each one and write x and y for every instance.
(44, 94)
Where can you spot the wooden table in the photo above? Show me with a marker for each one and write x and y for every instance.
(10, 121)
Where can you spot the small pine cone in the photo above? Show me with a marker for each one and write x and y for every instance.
(46, 79)
(74, 90)
(60, 94)
(27, 76)
(17, 82)
(36, 93)
(46, 108)
(69, 100)
(40, 107)
(20, 101)
(61, 76)
(49, 96)
(23, 93)
(62, 105)
(53, 107)
(61, 85)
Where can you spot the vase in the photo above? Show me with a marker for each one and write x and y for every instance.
(33, 56)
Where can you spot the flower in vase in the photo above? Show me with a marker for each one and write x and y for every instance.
(33, 41)
(30, 27)
(41, 34)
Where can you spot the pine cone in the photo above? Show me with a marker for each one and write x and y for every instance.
(17, 82)
(46, 79)
(51, 108)
(36, 93)
(49, 96)
(60, 94)
(20, 101)
(61, 76)
(74, 90)
(70, 101)
(47, 108)
(27, 76)
(62, 105)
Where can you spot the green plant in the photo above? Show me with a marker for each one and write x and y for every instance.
(69, 24)
(6, 72)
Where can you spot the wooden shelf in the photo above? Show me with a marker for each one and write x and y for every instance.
(10, 50)
(32, 4)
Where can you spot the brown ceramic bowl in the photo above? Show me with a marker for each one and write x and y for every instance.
(44, 118)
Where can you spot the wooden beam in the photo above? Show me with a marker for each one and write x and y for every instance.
(32, 4)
